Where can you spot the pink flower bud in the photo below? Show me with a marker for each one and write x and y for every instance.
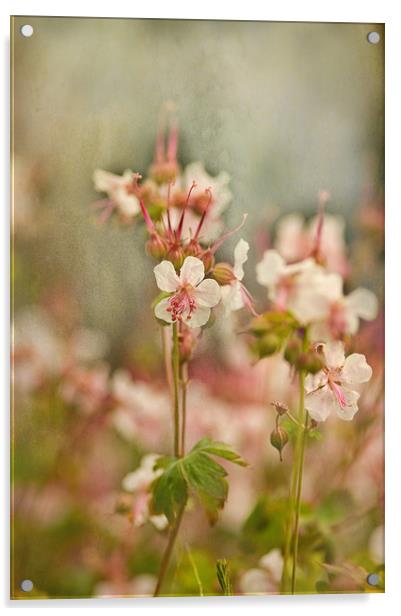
(156, 247)
(208, 260)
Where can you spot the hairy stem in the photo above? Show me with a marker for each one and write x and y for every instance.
(167, 358)
(184, 383)
(300, 470)
(175, 359)
(168, 551)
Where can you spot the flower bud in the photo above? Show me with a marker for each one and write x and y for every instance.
(223, 273)
(310, 362)
(187, 343)
(156, 247)
(279, 438)
(164, 172)
(193, 249)
(280, 407)
(175, 254)
(208, 260)
(293, 350)
(267, 345)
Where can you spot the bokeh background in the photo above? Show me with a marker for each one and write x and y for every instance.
(287, 109)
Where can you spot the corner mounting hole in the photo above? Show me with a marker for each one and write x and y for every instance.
(27, 30)
(373, 38)
(373, 579)
(27, 585)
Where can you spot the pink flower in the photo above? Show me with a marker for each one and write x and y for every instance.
(138, 482)
(191, 298)
(332, 389)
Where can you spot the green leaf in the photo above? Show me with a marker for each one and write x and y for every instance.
(223, 576)
(198, 473)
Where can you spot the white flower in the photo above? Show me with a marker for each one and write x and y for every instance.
(332, 389)
(289, 285)
(234, 296)
(119, 189)
(139, 482)
(195, 172)
(295, 240)
(342, 313)
(273, 563)
(192, 296)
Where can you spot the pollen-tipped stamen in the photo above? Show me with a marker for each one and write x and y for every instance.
(181, 222)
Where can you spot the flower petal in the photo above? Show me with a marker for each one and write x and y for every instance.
(321, 403)
(363, 303)
(104, 180)
(334, 354)
(232, 297)
(314, 381)
(356, 369)
(207, 293)
(240, 257)
(351, 407)
(199, 317)
(269, 269)
(192, 271)
(161, 311)
(166, 277)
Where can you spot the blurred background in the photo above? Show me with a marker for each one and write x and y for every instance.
(286, 109)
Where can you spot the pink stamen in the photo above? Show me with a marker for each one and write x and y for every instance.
(214, 248)
(339, 394)
(202, 220)
(170, 184)
(172, 143)
(107, 206)
(248, 300)
(180, 303)
(181, 223)
(148, 220)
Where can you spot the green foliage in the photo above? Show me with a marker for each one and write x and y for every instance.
(271, 330)
(198, 473)
(223, 576)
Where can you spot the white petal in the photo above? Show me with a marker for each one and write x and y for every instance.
(128, 204)
(290, 237)
(321, 403)
(207, 293)
(334, 354)
(192, 271)
(356, 369)
(363, 303)
(231, 297)
(199, 317)
(270, 268)
(351, 407)
(240, 257)
(104, 181)
(273, 563)
(314, 381)
(161, 311)
(166, 277)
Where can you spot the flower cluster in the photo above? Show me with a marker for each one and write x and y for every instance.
(310, 320)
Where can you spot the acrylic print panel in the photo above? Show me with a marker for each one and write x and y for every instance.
(197, 308)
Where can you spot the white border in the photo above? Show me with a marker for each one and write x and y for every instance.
(306, 10)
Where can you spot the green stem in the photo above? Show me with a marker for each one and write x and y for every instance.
(288, 528)
(169, 549)
(175, 359)
(298, 504)
(184, 383)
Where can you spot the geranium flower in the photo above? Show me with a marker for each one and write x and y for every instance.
(119, 189)
(332, 389)
(342, 313)
(234, 295)
(289, 284)
(295, 240)
(192, 296)
(138, 482)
